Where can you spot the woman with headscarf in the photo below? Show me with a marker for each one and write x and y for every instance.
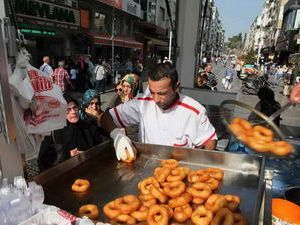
(75, 137)
(130, 87)
(90, 109)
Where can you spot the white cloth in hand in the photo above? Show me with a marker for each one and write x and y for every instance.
(121, 144)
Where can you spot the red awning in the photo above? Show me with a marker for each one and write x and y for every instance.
(126, 42)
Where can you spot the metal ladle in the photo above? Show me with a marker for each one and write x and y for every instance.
(268, 120)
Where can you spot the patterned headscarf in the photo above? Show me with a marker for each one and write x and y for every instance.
(133, 80)
(86, 99)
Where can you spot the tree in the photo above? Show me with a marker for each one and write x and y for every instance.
(235, 42)
(250, 58)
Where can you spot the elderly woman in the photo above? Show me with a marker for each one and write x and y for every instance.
(90, 109)
(69, 141)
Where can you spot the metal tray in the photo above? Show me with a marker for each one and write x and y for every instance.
(243, 176)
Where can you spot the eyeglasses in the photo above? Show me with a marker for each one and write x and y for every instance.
(75, 108)
(118, 89)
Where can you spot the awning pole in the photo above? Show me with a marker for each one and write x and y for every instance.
(170, 45)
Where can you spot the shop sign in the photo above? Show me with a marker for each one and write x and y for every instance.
(132, 8)
(39, 10)
(114, 3)
(37, 32)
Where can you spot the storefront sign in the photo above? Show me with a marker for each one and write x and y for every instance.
(37, 32)
(43, 11)
(132, 8)
(114, 3)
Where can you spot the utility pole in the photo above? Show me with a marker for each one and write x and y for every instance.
(113, 42)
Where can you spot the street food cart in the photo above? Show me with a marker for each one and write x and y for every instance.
(243, 176)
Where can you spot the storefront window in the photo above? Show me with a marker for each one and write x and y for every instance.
(99, 22)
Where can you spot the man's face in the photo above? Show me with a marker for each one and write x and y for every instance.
(208, 68)
(162, 92)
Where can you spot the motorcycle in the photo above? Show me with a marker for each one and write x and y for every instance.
(251, 86)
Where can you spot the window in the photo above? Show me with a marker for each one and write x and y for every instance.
(297, 20)
(99, 22)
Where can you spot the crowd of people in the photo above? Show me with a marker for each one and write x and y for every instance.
(86, 73)
(148, 116)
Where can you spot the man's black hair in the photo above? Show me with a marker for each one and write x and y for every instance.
(266, 94)
(163, 70)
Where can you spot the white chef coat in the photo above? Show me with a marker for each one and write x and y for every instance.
(184, 124)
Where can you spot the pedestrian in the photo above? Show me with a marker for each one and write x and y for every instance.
(46, 68)
(287, 82)
(238, 69)
(82, 73)
(165, 116)
(100, 77)
(73, 75)
(128, 66)
(88, 82)
(206, 79)
(61, 77)
(138, 68)
(228, 77)
(279, 73)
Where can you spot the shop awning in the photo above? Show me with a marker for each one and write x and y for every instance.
(156, 41)
(126, 42)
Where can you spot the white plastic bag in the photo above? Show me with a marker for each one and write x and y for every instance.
(38, 105)
(46, 110)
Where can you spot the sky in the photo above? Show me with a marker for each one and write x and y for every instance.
(238, 15)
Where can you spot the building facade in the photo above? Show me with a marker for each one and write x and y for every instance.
(49, 28)
(211, 31)
(289, 38)
(135, 29)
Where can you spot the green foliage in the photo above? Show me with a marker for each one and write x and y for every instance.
(250, 58)
(235, 42)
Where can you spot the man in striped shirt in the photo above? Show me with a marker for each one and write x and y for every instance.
(61, 77)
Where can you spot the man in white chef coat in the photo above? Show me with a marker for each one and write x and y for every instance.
(164, 116)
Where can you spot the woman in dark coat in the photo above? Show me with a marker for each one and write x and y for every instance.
(69, 141)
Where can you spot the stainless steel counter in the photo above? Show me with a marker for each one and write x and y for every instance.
(243, 176)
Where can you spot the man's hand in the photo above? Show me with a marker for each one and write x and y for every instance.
(211, 145)
(123, 145)
(295, 94)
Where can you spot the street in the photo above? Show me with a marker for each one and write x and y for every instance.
(290, 118)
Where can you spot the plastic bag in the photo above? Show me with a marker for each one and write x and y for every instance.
(51, 215)
(38, 105)
(47, 108)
